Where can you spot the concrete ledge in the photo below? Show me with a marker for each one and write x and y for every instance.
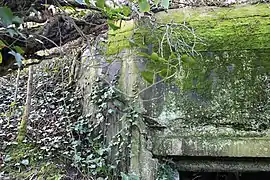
(214, 147)
(233, 165)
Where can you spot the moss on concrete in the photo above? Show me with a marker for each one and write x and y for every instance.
(201, 14)
(225, 97)
(215, 147)
(119, 39)
(236, 37)
(236, 27)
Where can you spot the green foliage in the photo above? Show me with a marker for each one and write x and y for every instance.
(165, 172)
(172, 48)
(58, 127)
(144, 5)
(126, 11)
(2, 44)
(7, 18)
(113, 13)
(129, 176)
(158, 65)
(80, 1)
(156, 2)
(22, 130)
(118, 13)
(22, 161)
(148, 76)
(112, 25)
(89, 155)
(18, 49)
(77, 140)
(100, 4)
(18, 57)
(165, 3)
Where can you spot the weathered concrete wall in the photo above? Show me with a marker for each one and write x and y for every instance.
(227, 110)
(218, 107)
(197, 3)
(119, 69)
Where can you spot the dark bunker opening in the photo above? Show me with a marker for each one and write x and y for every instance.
(224, 175)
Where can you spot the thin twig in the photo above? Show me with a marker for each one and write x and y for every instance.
(169, 77)
(17, 84)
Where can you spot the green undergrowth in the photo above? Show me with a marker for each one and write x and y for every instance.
(26, 161)
(165, 172)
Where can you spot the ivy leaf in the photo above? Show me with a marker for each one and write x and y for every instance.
(17, 21)
(154, 56)
(11, 32)
(188, 60)
(163, 60)
(25, 162)
(6, 16)
(126, 11)
(172, 56)
(134, 177)
(100, 3)
(144, 6)
(88, 2)
(148, 76)
(1, 58)
(165, 3)
(173, 59)
(112, 25)
(19, 49)
(164, 73)
(156, 2)
(167, 72)
(124, 176)
(69, 9)
(142, 54)
(18, 57)
(2, 44)
(80, 2)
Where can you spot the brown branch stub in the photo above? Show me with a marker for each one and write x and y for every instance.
(35, 19)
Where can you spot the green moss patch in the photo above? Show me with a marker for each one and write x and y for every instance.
(212, 13)
(119, 39)
(25, 161)
(227, 28)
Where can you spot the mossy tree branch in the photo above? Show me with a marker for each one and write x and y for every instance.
(23, 124)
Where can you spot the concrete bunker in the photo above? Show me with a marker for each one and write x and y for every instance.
(216, 118)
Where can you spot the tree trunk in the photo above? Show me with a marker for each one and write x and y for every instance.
(23, 124)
